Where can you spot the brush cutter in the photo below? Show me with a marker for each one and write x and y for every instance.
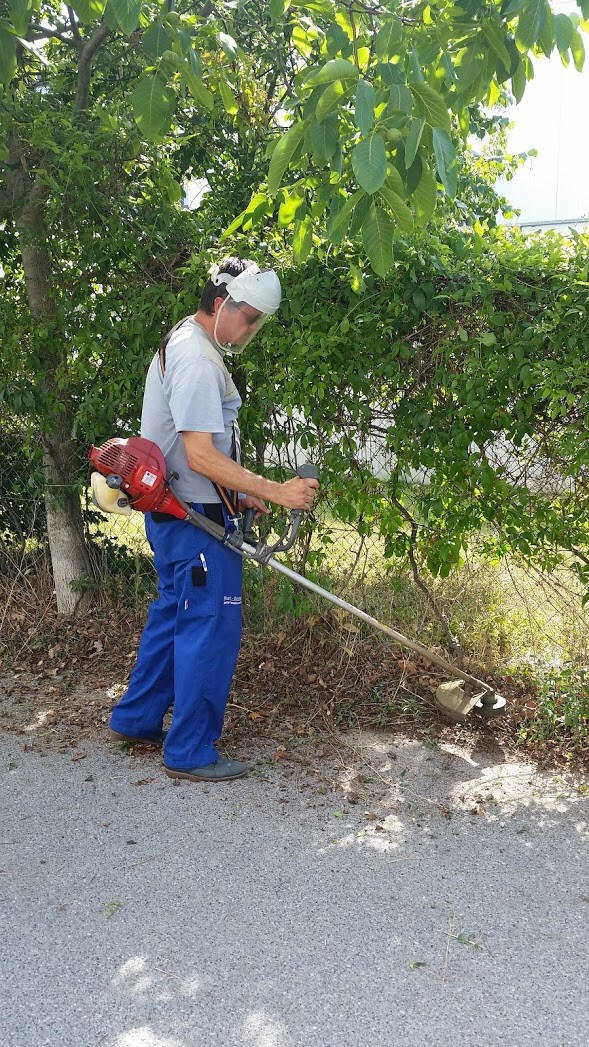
(131, 474)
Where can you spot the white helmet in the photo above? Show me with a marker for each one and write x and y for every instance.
(257, 288)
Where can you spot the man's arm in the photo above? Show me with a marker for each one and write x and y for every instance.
(205, 458)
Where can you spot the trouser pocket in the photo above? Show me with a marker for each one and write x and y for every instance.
(197, 586)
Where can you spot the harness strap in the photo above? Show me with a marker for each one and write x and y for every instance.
(228, 498)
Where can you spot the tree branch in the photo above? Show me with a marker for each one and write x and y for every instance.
(86, 55)
(74, 25)
(43, 32)
(453, 641)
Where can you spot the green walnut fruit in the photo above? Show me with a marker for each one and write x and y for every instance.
(172, 18)
(392, 134)
(171, 57)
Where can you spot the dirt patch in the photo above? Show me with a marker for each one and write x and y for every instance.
(59, 682)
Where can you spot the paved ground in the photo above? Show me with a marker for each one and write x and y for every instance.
(377, 893)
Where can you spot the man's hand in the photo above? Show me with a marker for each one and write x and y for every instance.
(251, 502)
(297, 493)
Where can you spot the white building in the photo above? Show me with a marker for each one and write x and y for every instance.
(551, 190)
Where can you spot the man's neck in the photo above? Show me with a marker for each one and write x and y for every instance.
(206, 322)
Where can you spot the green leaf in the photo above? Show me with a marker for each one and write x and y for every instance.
(184, 41)
(320, 7)
(395, 182)
(277, 9)
(360, 211)
(330, 98)
(400, 99)
(303, 39)
(546, 38)
(89, 10)
(413, 139)
(388, 39)
(228, 98)
(302, 239)
(511, 8)
(337, 40)
(199, 92)
(258, 208)
(195, 62)
(21, 11)
(283, 154)
(531, 22)
(153, 104)
(578, 50)
(445, 160)
(336, 162)
(335, 69)
(399, 209)
(365, 101)
(324, 136)
(7, 55)
(369, 162)
(337, 226)
(228, 45)
(156, 40)
(496, 40)
(414, 71)
(468, 71)
(257, 200)
(433, 105)
(518, 82)
(377, 237)
(290, 206)
(425, 195)
(126, 13)
(563, 31)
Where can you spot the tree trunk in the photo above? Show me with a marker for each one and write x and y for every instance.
(69, 555)
(65, 528)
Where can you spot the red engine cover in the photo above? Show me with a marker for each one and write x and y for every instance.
(142, 468)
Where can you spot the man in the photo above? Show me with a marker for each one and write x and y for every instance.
(189, 646)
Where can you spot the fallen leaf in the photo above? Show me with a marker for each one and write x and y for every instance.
(79, 756)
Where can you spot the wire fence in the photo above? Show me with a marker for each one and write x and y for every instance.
(497, 612)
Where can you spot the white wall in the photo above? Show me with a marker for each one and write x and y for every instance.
(553, 117)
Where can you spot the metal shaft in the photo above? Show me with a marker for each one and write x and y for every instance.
(249, 552)
(431, 656)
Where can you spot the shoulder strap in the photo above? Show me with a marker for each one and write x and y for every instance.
(164, 343)
(228, 498)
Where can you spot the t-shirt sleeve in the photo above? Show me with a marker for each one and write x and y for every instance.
(195, 395)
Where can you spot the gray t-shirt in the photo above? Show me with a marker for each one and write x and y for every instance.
(195, 394)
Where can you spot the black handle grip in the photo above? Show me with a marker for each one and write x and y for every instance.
(248, 519)
(308, 471)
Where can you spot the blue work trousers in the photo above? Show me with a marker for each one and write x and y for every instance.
(189, 645)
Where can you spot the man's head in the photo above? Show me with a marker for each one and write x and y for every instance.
(238, 297)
